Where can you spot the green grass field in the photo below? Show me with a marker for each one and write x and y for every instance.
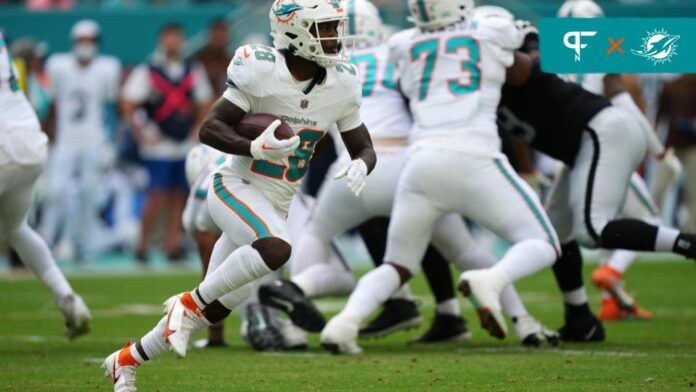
(655, 355)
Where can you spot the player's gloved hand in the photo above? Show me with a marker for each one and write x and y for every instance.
(267, 147)
(356, 172)
(671, 162)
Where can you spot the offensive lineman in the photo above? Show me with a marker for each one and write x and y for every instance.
(617, 304)
(385, 112)
(452, 71)
(304, 80)
(23, 150)
(601, 145)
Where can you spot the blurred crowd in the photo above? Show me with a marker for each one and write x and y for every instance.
(119, 137)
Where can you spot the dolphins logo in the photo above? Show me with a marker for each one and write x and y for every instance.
(659, 47)
(284, 10)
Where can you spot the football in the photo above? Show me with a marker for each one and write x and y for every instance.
(253, 125)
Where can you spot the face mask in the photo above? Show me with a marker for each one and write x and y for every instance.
(85, 51)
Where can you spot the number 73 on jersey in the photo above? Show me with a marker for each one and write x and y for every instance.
(463, 48)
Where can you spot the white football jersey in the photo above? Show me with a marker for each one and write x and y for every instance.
(81, 95)
(21, 138)
(453, 79)
(259, 82)
(384, 108)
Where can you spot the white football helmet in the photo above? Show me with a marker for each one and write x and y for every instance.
(292, 24)
(197, 159)
(430, 15)
(580, 9)
(364, 22)
(488, 11)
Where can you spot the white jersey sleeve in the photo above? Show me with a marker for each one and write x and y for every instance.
(501, 35)
(349, 79)
(245, 75)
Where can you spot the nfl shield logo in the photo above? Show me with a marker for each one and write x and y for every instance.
(304, 103)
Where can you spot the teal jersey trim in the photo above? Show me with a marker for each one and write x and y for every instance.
(241, 209)
(535, 210)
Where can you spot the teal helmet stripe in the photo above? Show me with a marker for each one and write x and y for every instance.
(423, 11)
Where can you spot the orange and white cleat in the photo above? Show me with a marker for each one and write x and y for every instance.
(612, 311)
(183, 318)
(483, 288)
(611, 280)
(120, 366)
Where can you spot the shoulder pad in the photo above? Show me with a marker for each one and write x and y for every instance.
(500, 32)
(398, 43)
(348, 76)
(251, 65)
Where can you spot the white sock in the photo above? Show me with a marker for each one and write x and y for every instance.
(34, 253)
(322, 280)
(404, 292)
(236, 297)
(575, 297)
(153, 342)
(621, 259)
(244, 265)
(512, 303)
(373, 289)
(476, 258)
(449, 307)
(666, 237)
(606, 294)
(526, 258)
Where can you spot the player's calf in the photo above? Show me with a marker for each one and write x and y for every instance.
(274, 251)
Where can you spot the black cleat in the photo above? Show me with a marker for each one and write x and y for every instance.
(262, 332)
(288, 297)
(586, 329)
(396, 315)
(445, 328)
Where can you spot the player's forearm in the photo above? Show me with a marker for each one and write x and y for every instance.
(220, 136)
(359, 146)
(368, 156)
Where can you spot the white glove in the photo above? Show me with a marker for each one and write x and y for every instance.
(356, 171)
(672, 163)
(267, 147)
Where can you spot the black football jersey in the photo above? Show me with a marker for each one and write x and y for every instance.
(548, 113)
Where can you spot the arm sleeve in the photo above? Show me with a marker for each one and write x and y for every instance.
(238, 98)
(502, 37)
(350, 121)
(137, 87)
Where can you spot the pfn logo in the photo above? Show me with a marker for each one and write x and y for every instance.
(573, 40)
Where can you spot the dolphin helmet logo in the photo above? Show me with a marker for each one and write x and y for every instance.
(659, 47)
(284, 10)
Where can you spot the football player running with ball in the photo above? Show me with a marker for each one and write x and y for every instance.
(305, 80)
(452, 71)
